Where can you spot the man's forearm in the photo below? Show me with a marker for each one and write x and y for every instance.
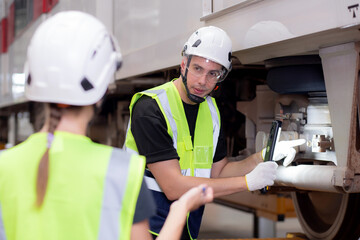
(242, 167)
(221, 186)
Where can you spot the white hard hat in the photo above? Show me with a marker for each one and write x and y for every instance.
(71, 59)
(211, 43)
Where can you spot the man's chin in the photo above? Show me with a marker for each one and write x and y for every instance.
(201, 95)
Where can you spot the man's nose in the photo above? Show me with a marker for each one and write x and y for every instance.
(202, 79)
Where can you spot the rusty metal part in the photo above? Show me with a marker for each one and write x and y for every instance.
(354, 148)
(320, 143)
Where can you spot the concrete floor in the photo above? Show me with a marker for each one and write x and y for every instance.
(224, 222)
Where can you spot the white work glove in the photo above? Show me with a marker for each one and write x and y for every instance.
(285, 149)
(261, 176)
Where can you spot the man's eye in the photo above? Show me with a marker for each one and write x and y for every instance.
(198, 69)
(214, 73)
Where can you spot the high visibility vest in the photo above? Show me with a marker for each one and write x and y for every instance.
(91, 193)
(195, 159)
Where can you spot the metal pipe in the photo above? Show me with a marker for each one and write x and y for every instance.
(308, 177)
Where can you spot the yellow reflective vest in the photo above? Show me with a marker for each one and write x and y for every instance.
(91, 194)
(195, 159)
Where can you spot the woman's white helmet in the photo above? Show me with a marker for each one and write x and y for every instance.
(71, 60)
(211, 43)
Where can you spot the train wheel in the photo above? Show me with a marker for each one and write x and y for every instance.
(328, 215)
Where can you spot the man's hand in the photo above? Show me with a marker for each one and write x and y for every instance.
(285, 149)
(262, 175)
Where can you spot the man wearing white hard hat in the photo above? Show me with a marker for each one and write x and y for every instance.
(177, 127)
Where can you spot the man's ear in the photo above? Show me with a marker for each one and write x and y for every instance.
(99, 103)
(183, 62)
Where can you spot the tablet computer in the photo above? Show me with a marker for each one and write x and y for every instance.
(274, 136)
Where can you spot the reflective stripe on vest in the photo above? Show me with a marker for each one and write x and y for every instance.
(2, 228)
(160, 95)
(114, 190)
(153, 185)
(199, 172)
(215, 121)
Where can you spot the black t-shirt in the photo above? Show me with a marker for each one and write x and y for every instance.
(149, 129)
(145, 205)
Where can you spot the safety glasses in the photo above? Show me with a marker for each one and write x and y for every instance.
(212, 76)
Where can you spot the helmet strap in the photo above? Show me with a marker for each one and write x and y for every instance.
(192, 97)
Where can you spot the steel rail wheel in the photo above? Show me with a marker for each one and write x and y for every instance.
(325, 215)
